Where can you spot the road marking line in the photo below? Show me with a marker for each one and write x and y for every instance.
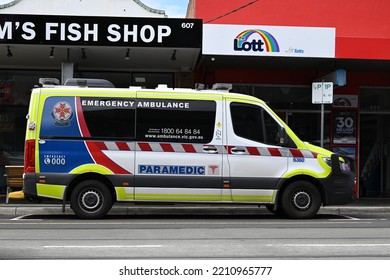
(327, 245)
(102, 246)
(351, 218)
(229, 222)
(24, 216)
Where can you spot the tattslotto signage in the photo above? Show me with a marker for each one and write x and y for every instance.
(344, 128)
(100, 31)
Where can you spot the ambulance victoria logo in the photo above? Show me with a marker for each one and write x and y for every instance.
(256, 40)
(62, 113)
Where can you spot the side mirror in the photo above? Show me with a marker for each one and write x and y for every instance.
(283, 137)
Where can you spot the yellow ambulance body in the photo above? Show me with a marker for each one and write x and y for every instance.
(94, 146)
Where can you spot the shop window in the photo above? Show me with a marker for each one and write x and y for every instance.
(118, 79)
(306, 126)
(12, 133)
(375, 100)
(280, 97)
(152, 80)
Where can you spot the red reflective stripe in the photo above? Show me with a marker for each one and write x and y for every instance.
(229, 149)
(188, 148)
(296, 153)
(95, 149)
(167, 147)
(80, 119)
(253, 151)
(145, 147)
(274, 152)
(101, 145)
(123, 146)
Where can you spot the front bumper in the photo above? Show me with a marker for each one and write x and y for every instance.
(339, 185)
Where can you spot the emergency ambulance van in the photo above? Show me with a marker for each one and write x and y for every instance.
(92, 147)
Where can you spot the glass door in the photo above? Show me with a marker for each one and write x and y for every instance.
(370, 156)
(374, 164)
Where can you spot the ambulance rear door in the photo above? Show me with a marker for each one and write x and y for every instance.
(179, 147)
(88, 133)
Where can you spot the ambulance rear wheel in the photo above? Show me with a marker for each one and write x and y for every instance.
(91, 199)
(301, 200)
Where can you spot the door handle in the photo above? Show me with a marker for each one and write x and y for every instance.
(210, 149)
(238, 150)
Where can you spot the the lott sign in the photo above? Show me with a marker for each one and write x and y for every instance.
(252, 40)
(245, 41)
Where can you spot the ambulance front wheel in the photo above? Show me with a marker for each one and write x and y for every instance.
(91, 199)
(301, 200)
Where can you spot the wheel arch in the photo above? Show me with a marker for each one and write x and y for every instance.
(90, 176)
(285, 183)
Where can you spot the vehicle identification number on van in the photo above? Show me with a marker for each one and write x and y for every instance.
(172, 169)
(298, 159)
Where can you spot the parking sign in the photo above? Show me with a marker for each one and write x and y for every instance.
(322, 93)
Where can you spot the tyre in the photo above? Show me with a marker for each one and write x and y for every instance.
(91, 199)
(301, 200)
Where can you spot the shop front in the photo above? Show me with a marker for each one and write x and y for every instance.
(277, 50)
(125, 42)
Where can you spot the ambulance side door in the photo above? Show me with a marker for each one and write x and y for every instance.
(256, 161)
(179, 148)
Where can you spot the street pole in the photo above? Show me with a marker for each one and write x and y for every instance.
(322, 125)
(322, 115)
(322, 93)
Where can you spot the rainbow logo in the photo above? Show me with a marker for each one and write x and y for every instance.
(267, 43)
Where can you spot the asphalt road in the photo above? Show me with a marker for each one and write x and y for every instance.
(263, 236)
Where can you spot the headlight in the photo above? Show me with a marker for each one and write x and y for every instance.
(344, 166)
(327, 160)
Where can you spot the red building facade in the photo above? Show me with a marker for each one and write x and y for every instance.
(357, 122)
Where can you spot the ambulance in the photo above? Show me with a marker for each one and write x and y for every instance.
(92, 145)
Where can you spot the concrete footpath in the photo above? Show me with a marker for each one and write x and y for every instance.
(361, 206)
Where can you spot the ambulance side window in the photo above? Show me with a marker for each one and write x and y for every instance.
(65, 117)
(109, 118)
(184, 121)
(254, 123)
